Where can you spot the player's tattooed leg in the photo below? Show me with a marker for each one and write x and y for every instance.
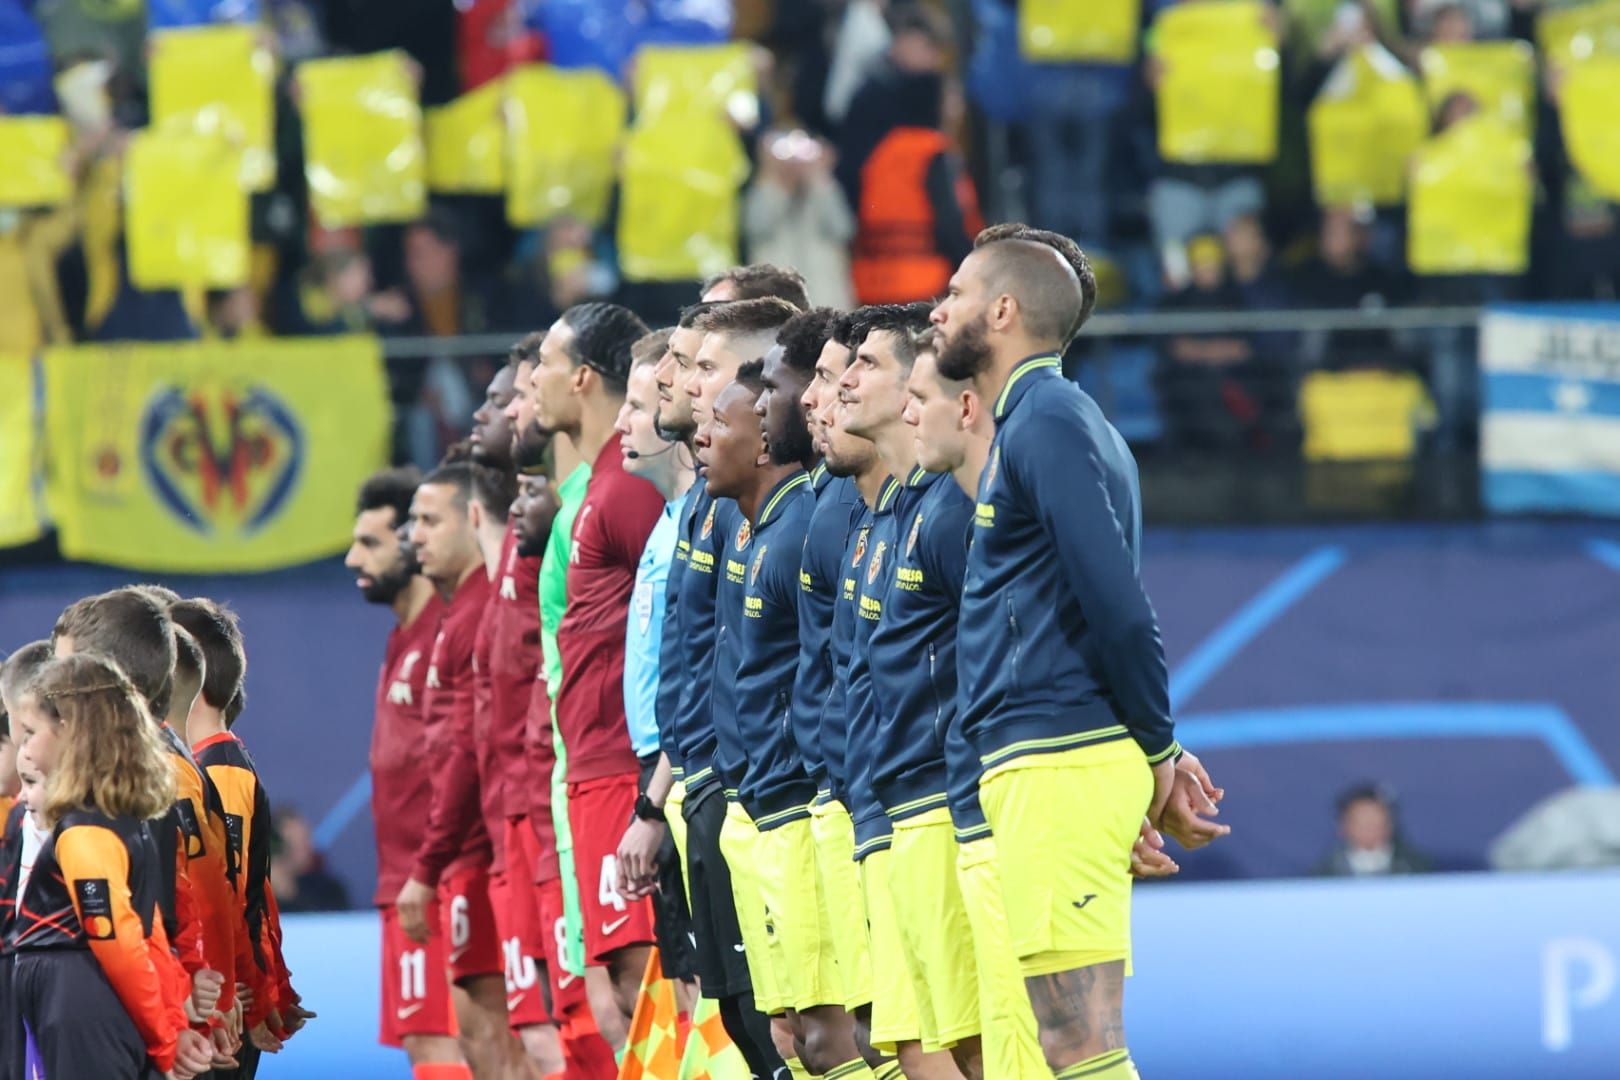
(1080, 1012)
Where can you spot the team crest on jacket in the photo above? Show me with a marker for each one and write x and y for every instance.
(745, 533)
(875, 567)
(911, 541)
(860, 546)
(708, 523)
(990, 470)
(753, 571)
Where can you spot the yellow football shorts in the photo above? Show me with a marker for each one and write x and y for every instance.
(935, 934)
(838, 891)
(1064, 824)
(1010, 1042)
(739, 844)
(894, 1004)
(673, 805)
(801, 946)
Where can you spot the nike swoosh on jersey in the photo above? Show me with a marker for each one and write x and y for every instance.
(513, 1003)
(566, 980)
(408, 1011)
(455, 954)
(609, 927)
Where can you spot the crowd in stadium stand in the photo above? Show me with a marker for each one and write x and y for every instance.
(1074, 147)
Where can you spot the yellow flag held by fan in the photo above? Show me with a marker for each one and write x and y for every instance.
(677, 83)
(1064, 32)
(678, 215)
(19, 510)
(185, 211)
(1469, 211)
(1217, 92)
(218, 80)
(34, 150)
(466, 142)
(1572, 35)
(363, 153)
(1364, 127)
(209, 456)
(564, 132)
(1587, 109)
(1500, 75)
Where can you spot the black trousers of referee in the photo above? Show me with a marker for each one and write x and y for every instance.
(722, 967)
(79, 1026)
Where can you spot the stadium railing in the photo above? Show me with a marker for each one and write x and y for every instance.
(1339, 415)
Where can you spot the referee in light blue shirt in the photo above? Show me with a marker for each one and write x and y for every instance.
(648, 860)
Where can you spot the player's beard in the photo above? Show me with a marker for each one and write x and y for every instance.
(968, 351)
(793, 446)
(529, 448)
(386, 587)
(680, 432)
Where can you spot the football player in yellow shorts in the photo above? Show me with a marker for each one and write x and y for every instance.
(1062, 686)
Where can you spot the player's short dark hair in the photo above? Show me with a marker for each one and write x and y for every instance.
(759, 280)
(691, 313)
(218, 635)
(604, 335)
(752, 377)
(495, 489)
(389, 489)
(458, 475)
(765, 315)
(134, 631)
(649, 349)
(843, 329)
(1023, 264)
(802, 337)
(526, 349)
(21, 667)
(901, 321)
(189, 662)
(161, 593)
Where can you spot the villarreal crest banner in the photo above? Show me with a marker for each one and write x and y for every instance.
(212, 456)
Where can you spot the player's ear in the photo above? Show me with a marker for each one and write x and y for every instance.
(970, 409)
(475, 514)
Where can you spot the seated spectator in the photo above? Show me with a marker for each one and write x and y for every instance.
(298, 874)
(338, 296)
(1254, 270)
(1213, 392)
(233, 314)
(795, 215)
(1343, 275)
(1370, 842)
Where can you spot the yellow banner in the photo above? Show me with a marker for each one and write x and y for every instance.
(678, 218)
(212, 456)
(363, 152)
(1217, 90)
(218, 80)
(1062, 31)
(19, 509)
(675, 82)
(1469, 211)
(1364, 127)
(1572, 35)
(1587, 110)
(34, 149)
(1500, 75)
(466, 142)
(564, 131)
(185, 212)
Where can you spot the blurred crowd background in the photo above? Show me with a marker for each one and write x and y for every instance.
(446, 174)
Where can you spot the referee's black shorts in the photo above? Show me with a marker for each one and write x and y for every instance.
(722, 968)
(672, 921)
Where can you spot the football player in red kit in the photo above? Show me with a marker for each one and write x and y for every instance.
(416, 1010)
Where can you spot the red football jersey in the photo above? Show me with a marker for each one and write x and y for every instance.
(610, 533)
(401, 787)
(514, 637)
(455, 837)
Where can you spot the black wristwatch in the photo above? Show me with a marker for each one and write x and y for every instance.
(646, 811)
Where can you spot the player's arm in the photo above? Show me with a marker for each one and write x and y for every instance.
(1070, 496)
(453, 809)
(95, 868)
(638, 849)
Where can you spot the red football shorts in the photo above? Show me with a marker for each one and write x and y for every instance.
(598, 812)
(469, 924)
(567, 989)
(415, 990)
(517, 920)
